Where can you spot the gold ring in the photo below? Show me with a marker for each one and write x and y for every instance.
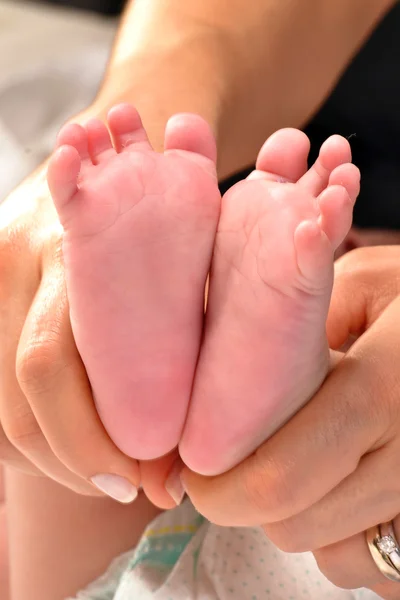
(385, 550)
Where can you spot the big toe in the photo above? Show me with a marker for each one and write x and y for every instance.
(190, 133)
(283, 156)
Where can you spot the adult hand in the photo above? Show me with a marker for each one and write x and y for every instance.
(46, 408)
(49, 424)
(331, 472)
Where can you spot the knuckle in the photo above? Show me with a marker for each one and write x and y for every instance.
(267, 487)
(37, 366)
(286, 536)
(368, 266)
(373, 405)
(336, 564)
(350, 262)
(23, 432)
(360, 260)
(333, 572)
(358, 270)
(382, 401)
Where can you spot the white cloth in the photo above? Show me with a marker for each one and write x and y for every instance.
(51, 62)
(184, 557)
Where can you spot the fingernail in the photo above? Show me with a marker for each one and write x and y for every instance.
(173, 483)
(116, 487)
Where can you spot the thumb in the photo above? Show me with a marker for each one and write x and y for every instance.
(366, 282)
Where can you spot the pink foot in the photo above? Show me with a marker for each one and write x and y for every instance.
(139, 231)
(265, 350)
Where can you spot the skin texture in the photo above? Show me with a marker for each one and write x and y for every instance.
(36, 333)
(4, 550)
(137, 216)
(257, 314)
(42, 373)
(168, 204)
(349, 438)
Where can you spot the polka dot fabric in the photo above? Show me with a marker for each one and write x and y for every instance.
(183, 557)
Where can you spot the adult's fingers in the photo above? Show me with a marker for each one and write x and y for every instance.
(13, 309)
(355, 412)
(348, 564)
(154, 474)
(53, 379)
(22, 443)
(29, 250)
(366, 281)
(369, 495)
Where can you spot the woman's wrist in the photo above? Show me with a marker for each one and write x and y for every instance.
(196, 79)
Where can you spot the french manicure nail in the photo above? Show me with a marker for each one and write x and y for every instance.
(173, 484)
(116, 487)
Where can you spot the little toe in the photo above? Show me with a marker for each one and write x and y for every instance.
(62, 177)
(75, 135)
(334, 151)
(314, 256)
(127, 129)
(348, 176)
(190, 133)
(283, 157)
(336, 208)
(99, 141)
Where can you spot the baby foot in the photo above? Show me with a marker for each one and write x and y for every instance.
(265, 351)
(139, 229)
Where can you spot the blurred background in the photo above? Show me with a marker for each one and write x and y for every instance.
(53, 54)
(52, 57)
(108, 7)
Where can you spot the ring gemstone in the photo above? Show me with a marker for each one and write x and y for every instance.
(386, 544)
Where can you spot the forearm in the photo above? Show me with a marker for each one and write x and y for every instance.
(247, 67)
(167, 61)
